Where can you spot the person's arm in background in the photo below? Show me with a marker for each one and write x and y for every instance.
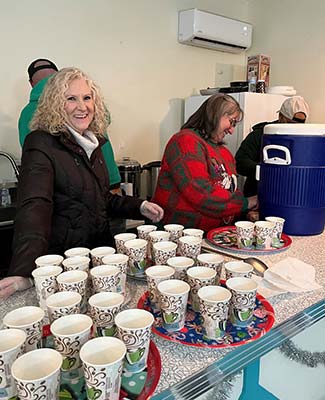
(33, 221)
(29, 110)
(113, 171)
(248, 154)
(24, 121)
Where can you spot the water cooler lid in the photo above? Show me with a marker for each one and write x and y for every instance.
(127, 164)
(295, 129)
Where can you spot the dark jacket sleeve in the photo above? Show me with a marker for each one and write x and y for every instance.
(248, 154)
(124, 206)
(34, 210)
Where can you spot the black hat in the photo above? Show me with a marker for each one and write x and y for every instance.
(32, 69)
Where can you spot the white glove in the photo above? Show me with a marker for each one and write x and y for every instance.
(12, 284)
(151, 211)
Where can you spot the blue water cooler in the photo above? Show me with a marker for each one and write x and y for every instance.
(292, 176)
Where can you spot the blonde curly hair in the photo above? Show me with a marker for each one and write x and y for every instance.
(50, 115)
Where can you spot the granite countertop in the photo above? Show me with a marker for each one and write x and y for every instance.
(180, 361)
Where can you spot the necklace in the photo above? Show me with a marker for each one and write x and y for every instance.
(305, 357)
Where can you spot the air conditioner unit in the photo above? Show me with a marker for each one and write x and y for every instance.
(204, 29)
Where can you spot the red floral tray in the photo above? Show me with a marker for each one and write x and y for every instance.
(154, 372)
(192, 335)
(225, 238)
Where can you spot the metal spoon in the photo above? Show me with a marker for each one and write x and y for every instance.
(259, 266)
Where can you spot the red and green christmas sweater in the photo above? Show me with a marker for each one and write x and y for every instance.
(197, 185)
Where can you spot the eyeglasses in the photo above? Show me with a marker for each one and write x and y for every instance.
(233, 122)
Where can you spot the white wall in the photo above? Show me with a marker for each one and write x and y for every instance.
(129, 47)
(292, 32)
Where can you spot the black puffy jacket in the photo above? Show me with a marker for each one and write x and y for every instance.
(63, 200)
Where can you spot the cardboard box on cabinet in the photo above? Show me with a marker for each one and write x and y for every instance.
(259, 65)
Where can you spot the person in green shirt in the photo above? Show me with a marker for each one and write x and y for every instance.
(39, 72)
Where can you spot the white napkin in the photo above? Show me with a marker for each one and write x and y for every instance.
(288, 275)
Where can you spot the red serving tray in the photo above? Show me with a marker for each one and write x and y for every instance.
(229, 244)
(191, 334)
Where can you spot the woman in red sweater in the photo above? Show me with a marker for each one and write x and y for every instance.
(197, 184)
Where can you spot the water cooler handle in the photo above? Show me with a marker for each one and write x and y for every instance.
(276, 160)
(257, 172)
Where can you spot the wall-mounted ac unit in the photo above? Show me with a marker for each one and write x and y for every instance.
(204, 29)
